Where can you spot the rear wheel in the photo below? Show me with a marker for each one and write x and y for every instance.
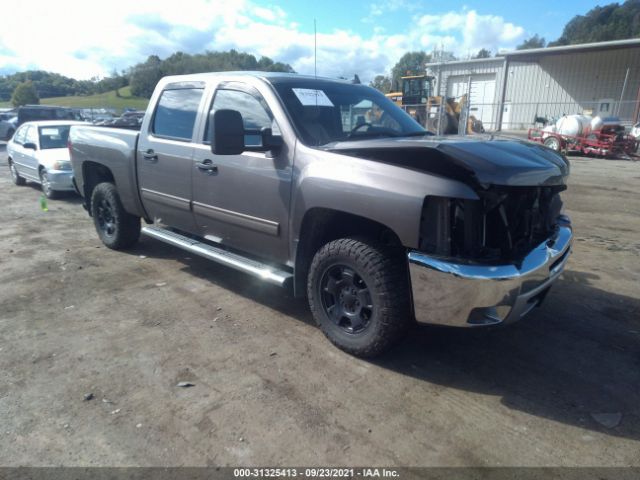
(117, 228)
(359, 295)
(553, 143)
(15, 176)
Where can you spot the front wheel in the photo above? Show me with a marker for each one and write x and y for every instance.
(359, 295)
(117, 228)
(46, 185)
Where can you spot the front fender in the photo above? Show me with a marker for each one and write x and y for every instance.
(390, 195)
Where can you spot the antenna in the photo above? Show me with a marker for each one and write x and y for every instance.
(315, 50)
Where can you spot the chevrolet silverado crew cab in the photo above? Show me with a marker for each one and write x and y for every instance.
(328, 188)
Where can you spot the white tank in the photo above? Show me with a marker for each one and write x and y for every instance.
(573, 125)
(596, 123)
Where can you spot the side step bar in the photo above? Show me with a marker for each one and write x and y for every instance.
(219, 255)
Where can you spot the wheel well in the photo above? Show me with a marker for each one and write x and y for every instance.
(321, 225)
(94, 173)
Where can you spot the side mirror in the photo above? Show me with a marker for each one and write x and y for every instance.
(30, 146)
(226, 131)
(269, 141)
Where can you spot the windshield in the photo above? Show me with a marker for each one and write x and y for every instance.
(54, 136)
(325, 112)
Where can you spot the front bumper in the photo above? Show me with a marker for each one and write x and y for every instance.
(61, 180)
(463, 295)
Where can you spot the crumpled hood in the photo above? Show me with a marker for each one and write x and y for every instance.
(482, 160)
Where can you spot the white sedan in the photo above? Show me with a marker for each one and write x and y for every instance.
(38, 152)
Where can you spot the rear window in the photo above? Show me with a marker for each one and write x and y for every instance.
(176, 112)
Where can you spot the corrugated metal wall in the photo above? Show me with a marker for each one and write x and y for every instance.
(570, 83)
(553, 85)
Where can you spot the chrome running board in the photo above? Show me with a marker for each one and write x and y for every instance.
(247, 265)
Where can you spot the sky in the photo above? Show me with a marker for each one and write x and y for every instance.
(89, 38)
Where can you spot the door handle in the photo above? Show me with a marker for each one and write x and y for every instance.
(150, 156)
(207, 166)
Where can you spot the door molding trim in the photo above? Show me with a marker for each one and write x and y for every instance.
(165, 198)
(235, 218)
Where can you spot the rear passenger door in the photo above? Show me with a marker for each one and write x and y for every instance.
(165, 155)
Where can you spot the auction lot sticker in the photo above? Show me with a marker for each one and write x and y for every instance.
(311, 97)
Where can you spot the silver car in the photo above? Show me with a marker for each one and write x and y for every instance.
(7, 126)
(38, 152)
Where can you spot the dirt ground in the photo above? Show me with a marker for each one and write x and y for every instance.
(561, 387)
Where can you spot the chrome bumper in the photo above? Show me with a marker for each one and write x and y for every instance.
(446, 293)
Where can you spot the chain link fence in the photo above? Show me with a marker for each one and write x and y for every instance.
(451, 116)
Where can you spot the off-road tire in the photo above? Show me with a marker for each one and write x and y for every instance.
(384, 271)
(117, 228)
(15, 176)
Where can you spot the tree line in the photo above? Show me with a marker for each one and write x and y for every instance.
(144, 76)
(30, 86)
(48, 84)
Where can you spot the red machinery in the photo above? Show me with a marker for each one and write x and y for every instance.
(608, 141)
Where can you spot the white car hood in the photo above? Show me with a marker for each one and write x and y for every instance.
(48, 156)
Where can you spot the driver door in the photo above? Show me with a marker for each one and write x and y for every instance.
(243, 200)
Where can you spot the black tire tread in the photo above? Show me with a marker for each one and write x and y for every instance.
(387, 266)
(128, 226)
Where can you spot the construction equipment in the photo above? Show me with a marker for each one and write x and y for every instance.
(436, 113)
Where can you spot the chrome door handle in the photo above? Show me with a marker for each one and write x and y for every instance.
(207, 166)
(150, 156)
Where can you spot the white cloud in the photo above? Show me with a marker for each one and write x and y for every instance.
(70, 39)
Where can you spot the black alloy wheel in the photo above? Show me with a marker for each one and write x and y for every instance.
(346, 299)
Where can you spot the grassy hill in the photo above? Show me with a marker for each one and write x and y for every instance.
(102, 100)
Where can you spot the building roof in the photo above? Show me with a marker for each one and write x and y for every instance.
(614, 44)
(533, 52)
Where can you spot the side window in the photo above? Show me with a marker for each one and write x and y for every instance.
(32, 135)
(19, 135)
(255, 114)
(176, 112)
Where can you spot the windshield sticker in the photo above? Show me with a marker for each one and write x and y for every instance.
(49, 131)
(309, 97)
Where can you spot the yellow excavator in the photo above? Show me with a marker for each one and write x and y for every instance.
(417, 99)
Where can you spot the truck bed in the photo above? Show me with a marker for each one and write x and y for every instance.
(114, 148)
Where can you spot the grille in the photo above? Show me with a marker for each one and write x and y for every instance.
(504, 225)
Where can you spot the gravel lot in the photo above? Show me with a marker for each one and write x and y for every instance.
(560, 388)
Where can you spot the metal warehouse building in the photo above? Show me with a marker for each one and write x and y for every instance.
(512, 90)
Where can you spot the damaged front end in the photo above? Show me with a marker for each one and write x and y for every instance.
(488, 261)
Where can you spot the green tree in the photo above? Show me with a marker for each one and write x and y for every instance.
(145, 76)
(382, 83)
(534, 42)
(610, 22)
(411, 63)
(483, 53)
(25, 94)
